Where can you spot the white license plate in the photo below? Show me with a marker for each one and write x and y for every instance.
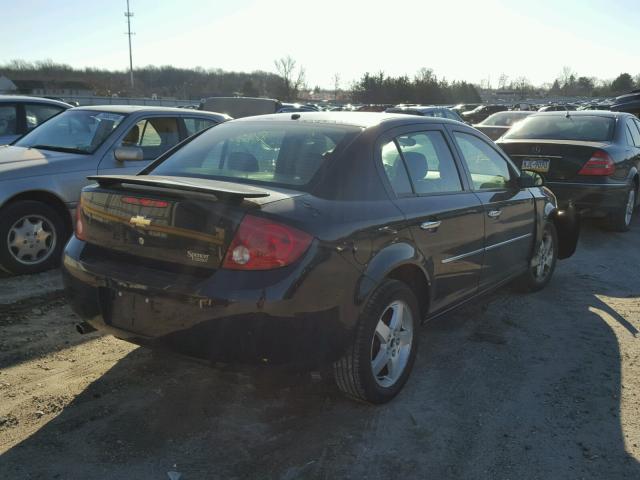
(536, 164)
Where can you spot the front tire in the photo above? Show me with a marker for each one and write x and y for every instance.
(378, 363)
(543, 263)
(620, 219)
(32, 236)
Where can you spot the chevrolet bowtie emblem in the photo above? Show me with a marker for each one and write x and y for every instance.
(140, 221)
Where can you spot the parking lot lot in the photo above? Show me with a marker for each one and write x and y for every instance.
(514, 386)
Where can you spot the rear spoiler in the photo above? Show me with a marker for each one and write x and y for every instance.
(189, 184)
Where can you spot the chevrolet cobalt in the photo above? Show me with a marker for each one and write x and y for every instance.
(322, 239)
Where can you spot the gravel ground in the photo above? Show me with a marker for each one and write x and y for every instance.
(542, 386)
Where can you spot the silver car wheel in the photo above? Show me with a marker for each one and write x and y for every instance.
(631, 203)
(391, 344)
(32, 239)
(544, 256)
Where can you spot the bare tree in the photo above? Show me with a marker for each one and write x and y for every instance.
(292, 75)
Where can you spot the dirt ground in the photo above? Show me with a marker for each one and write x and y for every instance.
(542, 386)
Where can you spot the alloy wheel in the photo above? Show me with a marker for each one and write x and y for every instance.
(631, 202)
(392, 343)
(31, 239)
(544, 256)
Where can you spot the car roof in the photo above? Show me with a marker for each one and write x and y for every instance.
(27, 99)
(126, 109)
(579, 113)
(356, 119)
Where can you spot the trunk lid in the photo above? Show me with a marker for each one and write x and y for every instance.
(565, 157)
(172, 221)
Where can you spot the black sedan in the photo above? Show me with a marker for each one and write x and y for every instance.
(313, 238)
(478, 114)
(499, 123)
(590, 159)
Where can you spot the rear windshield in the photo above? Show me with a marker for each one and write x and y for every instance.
(504, 119)
(285, 154)
(589, 128)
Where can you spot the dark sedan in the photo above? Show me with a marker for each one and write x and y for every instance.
(477, 115)
(426, 111)
(590, 159)
(315, 238)
(499, 123)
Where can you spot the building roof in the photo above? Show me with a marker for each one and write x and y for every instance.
(28, 84)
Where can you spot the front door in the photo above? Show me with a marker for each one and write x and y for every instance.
(445, 219)
(153, 135)
(508, 210)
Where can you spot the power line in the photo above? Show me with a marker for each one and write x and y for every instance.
(129, 14)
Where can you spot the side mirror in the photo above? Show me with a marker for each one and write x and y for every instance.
(128, 154)
(529, 179)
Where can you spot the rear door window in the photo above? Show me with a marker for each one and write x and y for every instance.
(194, 125)
(430, 163)
(635, 134)
(8, 120)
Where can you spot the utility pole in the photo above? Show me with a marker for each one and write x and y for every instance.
(129, 14)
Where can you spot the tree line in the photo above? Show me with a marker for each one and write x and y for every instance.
(288, 83)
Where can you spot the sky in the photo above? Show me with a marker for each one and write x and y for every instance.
(459, 39)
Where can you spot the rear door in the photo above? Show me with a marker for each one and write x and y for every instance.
(154, 135)
(444, 217)
(509, 211)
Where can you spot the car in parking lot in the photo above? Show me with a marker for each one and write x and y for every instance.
(42, 173)
(590, 160)
(478, 114)
(496, 125)
(426, 111)
(20, 114)
(314, 238)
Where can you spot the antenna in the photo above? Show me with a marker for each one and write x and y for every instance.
(129, 14)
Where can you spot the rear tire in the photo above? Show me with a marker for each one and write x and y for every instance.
(378, 363)
(620, 219)
(543, 263)
(32, 236)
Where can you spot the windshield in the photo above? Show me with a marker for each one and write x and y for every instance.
(504, 119)
(77, 131)
(286, 154)
(588, 128)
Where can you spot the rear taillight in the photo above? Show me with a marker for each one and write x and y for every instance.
(600, 163)
(261, 244)
(79, 230)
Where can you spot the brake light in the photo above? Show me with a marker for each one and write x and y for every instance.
(600, 163)
(79, 230)
(145, 202)
(261, 244)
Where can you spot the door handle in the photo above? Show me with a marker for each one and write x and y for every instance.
(494, 213)
(430, 226)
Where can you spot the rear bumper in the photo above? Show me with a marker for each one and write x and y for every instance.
(590, 199)
(293, 315)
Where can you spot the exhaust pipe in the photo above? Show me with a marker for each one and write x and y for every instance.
(84, 327)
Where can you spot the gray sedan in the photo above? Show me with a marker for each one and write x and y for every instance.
(42, 173)
(19, 114)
